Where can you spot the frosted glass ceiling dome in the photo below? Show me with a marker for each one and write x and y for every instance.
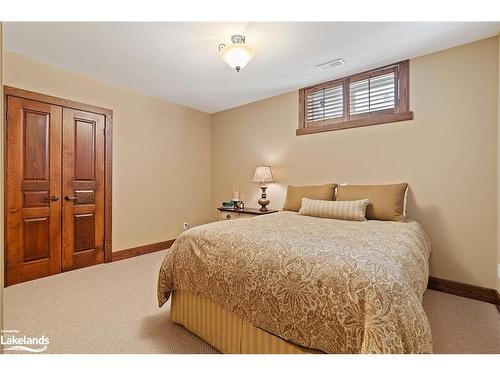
(238, 54)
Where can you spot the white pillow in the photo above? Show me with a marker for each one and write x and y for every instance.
(405, 204)
(343, 210)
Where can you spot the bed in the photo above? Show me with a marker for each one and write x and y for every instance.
(288, 283)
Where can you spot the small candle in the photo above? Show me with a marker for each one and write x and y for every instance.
(236, 195)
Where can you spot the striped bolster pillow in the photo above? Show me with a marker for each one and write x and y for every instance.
(344, 210)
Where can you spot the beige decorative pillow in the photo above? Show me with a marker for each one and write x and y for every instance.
(295, 194)
(387, 202)
(343, 210)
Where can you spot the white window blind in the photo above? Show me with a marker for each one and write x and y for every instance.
(325, 104)
(372, 94)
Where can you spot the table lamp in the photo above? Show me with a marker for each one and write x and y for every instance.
(263, 175)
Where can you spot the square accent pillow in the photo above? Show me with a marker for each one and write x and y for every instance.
(387, 202)
(295, 194)
(343, 210)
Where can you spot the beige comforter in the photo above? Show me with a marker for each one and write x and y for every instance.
(333, 285)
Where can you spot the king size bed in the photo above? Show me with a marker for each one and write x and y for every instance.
(290, 283)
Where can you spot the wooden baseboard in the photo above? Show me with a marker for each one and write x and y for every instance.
(465, 290)
(141, 250)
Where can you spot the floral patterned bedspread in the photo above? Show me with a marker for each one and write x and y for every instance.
(333, 285)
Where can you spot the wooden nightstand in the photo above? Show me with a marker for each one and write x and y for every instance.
(231, 213)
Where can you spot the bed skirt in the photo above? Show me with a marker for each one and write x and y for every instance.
(225, 331)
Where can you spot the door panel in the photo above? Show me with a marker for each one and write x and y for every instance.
(35, 199)
(84, 150)
(36, 239)
(84, 232)
(83, 189)
(33, 176)
(36, 145)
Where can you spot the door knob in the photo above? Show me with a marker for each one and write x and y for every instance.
(70, 197)
(52, 198)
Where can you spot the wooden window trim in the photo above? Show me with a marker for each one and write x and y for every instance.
(374, 73)
(400, 112)
(325, 85)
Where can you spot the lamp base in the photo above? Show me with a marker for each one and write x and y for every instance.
(263, 201)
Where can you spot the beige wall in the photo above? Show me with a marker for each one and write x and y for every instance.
(498, 170)
(447, 154)
(161, 152)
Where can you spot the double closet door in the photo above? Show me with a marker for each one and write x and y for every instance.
(55, 178)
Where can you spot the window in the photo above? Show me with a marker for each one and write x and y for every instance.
(372, 94)
(325, 104)
(375, 97)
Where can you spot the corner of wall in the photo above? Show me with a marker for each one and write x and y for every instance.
(213, 214)
(498, 169)
(1, 181)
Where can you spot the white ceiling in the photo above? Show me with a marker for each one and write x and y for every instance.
(180, 62)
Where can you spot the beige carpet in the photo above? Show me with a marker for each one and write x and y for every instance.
(111, 308)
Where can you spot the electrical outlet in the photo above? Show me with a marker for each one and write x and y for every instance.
(498, 271)
(185, 226)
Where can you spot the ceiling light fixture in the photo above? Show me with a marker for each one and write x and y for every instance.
(238, 54)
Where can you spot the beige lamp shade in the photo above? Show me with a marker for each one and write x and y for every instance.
(263, 174)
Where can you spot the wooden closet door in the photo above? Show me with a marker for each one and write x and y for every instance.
(83, 189)
(33, 190)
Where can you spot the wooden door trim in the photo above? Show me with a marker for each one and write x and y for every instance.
(108, 151)
(31, 95)
(108, 180)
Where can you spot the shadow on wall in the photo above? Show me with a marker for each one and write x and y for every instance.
(436, 231)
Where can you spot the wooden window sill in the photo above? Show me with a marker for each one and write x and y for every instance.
(382, 119)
